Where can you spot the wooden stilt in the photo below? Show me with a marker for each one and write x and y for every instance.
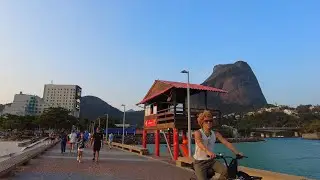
(157, 143)
(175, 144)
(144, 139)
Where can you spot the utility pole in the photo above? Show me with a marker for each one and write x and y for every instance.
(107, 122)
(123, 121)
(189, 116)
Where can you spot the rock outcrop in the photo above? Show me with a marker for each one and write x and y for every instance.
(244, 92)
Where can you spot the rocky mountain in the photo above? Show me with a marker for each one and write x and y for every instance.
(92, 107)
(244, 92)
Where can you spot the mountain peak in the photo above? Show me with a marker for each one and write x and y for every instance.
(240, 82)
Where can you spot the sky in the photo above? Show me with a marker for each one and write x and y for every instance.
(116, 49)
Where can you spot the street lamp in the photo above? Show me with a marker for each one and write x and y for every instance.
(189, 118)
(107, 121)
(123, 121)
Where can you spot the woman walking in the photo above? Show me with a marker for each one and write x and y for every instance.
(73, 138)
(81, 145)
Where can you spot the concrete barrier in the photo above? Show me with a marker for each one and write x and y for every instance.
(269, 175)
(33, 144)
(10, 164)
(186, 162)
(24, 143)
(27, 142)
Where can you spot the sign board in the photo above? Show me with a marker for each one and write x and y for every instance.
(150, 123)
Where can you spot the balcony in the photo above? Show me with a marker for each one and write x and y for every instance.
(175, 118)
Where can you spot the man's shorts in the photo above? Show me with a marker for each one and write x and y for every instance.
(96, 147)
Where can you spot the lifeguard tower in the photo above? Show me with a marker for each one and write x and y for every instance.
(166, 109)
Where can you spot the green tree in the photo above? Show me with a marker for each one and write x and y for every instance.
(313, 126)
(57, 118)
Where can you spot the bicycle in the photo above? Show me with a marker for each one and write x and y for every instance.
(233, 172)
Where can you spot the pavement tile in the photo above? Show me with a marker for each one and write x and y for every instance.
(114, 164)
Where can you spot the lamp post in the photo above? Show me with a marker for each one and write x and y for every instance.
(107, 121)
(123, 121)
(189, 118)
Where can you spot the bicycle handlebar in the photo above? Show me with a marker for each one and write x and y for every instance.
(223, 156)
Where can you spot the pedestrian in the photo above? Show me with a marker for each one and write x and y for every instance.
(86, 135)
(96, 143)
(73, 139)
(81, 146)
(51, 137)
(63, 143)
(110, 140)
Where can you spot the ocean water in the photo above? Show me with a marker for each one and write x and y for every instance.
(294, 156)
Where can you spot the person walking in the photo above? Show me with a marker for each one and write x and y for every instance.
(81, 145)
(110, 140)
(73, 139)
(96, 143)
(63, 143)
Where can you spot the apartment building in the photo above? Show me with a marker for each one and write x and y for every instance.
(66, 96)
(25, 104)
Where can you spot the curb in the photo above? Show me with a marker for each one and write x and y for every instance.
(8, 165)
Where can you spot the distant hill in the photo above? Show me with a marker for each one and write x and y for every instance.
(92, 107)
(244, 92)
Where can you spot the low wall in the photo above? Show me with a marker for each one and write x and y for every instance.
(312, 136)
(27, 142)
(10, 164)
(35, 143)
(186, 162)
(269, 175)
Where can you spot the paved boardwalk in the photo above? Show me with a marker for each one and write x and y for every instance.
(114, 164)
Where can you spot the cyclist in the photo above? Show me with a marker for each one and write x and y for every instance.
(205, 139)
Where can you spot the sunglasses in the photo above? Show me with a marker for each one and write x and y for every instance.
(208, 121)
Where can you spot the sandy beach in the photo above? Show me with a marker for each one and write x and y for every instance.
(7, 147)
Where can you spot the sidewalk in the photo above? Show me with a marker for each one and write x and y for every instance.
(114, 165)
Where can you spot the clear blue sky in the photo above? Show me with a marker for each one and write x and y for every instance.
(116, 49)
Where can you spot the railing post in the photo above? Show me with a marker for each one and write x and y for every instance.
(144, 138)
(157, 143)
(175, 143)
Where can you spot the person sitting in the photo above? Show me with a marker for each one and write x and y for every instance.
(205, 139)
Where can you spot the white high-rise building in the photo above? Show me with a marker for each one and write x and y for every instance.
(66, 96)
(25, 104)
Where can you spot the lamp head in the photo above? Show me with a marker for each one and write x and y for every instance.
(185, 71)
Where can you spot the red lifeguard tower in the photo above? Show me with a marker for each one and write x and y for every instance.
(166, 109)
